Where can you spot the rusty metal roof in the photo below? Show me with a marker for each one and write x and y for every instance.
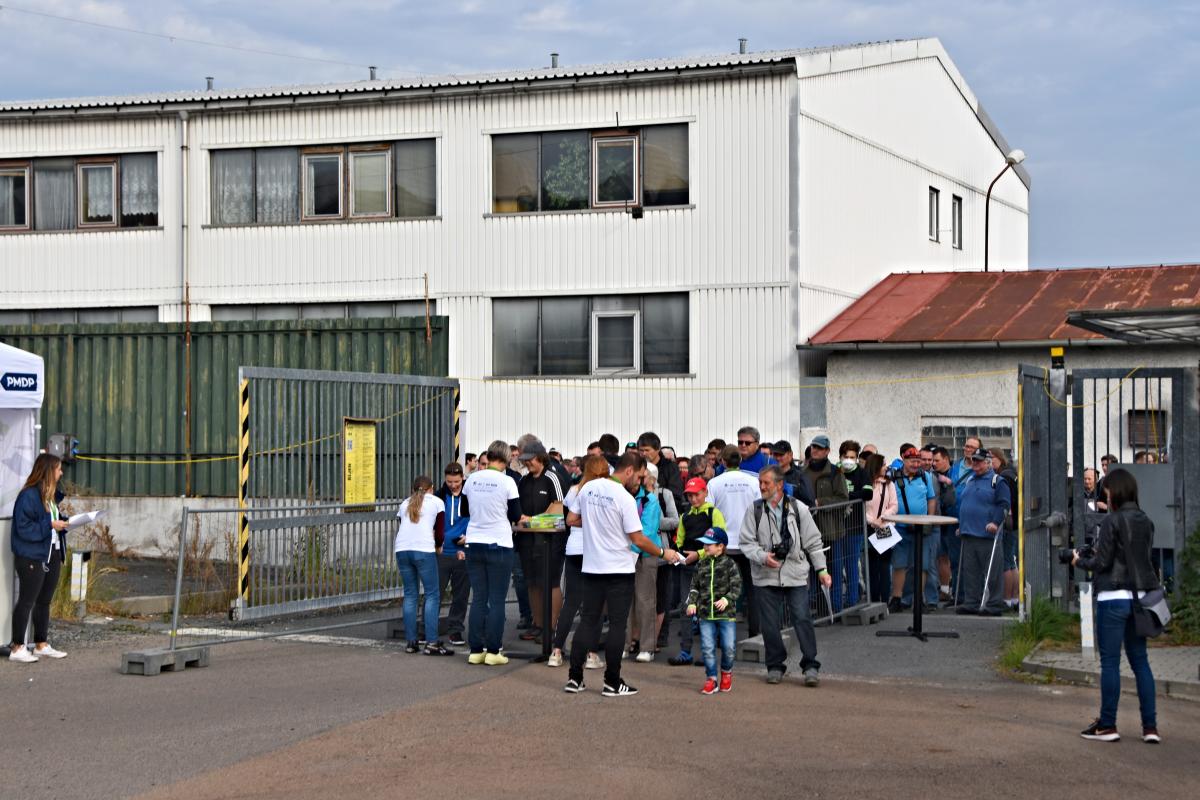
(999, 307)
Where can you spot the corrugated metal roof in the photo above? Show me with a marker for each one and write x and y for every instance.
(431, 81)
(944, 307)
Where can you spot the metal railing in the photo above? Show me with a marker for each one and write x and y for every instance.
(843, 532)
(301, 559)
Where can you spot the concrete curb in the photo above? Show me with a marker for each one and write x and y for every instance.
(1179, 689)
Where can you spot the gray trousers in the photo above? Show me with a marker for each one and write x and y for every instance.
(978, 554)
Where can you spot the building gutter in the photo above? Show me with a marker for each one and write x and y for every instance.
(186, 299)
(854, 347)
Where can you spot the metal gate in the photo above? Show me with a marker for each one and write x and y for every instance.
(1042, 482)
(300, 545)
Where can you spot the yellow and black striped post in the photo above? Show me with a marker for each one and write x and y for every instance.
(457, 442)
(243, 524)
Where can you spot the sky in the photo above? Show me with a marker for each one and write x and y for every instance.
(1103, 96)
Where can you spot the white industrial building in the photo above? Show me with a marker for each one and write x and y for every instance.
(618, 248)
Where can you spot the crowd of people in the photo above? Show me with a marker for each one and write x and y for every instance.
(653, 540)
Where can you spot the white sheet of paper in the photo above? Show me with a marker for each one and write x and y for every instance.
(885, 543)
(79, 520)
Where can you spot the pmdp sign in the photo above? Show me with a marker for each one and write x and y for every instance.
(19, 382)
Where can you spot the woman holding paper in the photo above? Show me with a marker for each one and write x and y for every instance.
(39, 547)
(883, 502)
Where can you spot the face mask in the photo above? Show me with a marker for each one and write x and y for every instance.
(850, 464)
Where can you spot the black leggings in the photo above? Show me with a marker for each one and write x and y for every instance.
(572, 598)
(36, 587)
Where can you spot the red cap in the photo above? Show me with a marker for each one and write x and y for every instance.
(911, 452)
(695, 485)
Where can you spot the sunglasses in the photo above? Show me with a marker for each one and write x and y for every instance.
(746, 442)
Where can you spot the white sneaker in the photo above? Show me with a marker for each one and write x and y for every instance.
(645, 656)
(21, 654)
(555, 659)
(593, 662)
(49, 652)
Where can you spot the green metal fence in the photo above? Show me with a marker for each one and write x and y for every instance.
(122, 389)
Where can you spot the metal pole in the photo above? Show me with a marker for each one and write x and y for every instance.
(183, 523)
(987, 210)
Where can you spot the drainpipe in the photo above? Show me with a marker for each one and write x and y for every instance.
(185, 284)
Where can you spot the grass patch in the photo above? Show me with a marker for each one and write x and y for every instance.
(1184, 628)
(1045, 623)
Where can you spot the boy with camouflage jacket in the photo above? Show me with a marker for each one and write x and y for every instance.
(715, 587)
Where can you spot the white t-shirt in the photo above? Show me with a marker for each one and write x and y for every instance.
(488, 492)
(418, 535)
(609, 514)
(732, 492)
(575, 537)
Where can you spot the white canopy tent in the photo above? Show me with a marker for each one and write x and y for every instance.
(22, 388)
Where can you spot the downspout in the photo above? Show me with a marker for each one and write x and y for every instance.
(185, 285)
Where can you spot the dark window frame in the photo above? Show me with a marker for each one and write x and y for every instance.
(956, 222)
(77, 165)
(935, 214)
(27, 168)
(92, 162)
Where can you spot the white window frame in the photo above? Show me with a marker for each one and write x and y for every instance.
(80, 184)
(27, 170)
(956, 217)
(935, 203)
(340, 154)
(390, 179)
(636, 369)
(633, 141)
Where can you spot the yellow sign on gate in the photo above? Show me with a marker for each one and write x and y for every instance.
(358, 458)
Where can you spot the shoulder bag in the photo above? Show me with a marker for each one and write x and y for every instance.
(1150, 611)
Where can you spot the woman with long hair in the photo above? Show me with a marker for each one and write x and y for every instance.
(422, 521)
(1000, 463)
(39, 549)
(883, 502)
(595, 466)
(1122, 571)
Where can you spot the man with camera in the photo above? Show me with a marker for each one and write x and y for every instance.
(780, 540)
(982, 509)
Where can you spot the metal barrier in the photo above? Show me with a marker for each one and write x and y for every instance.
(301, 559)
(843, 532)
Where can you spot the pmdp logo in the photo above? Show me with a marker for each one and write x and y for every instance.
(19, 382)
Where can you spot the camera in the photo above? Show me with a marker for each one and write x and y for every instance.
(1066, 555)
(894, 474)
(780, 551)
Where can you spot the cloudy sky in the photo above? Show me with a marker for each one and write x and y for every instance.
(1102, 95)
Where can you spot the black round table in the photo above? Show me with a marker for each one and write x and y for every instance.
(919, 523)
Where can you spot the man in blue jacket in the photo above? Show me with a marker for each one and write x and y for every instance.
(982, 508)
(452, 561)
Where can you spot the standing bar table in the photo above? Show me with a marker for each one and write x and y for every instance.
(918, 523)
(547, 536)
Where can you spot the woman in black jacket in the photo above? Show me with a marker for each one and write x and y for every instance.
(39, 550)
(1121, 565)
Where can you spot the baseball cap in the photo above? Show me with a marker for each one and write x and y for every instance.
(631, 445)
(911, 452)
(981, 455)
(532, 449)
(782, 446)
(715, 536)
(821, 441)
(695, 485)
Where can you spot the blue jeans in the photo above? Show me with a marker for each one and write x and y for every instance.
(904, 556)
(413, 565)
(845, 555)
(710, 631)
(1114, 626)
(489, 569)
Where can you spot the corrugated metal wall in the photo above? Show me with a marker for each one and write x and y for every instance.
(121, 388)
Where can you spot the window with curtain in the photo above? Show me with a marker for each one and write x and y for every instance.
(139, 190)
(232, 187)
(515, 173)
(97, 194)
(277, 185)
(370, 183)
(54, 194)
(14, 197)
(416, 177)
(665, 165)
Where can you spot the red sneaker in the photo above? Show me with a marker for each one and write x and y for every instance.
(710, 686)
(726, 681)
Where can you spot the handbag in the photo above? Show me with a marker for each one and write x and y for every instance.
(1150, 611)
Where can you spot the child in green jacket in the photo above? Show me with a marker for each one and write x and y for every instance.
(715, 586)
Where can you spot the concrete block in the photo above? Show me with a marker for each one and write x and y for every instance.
(866, 615)
(152, 662)
(753, 650)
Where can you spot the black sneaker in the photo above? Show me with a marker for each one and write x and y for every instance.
(681, 660)
(1101, 733)
(575, 687)
(966, 610)
(412, 647)
(928, 608)
(437, 649)
(1150, 735)
(622, 689)
(457, 639)
(525, 622)
(895, 606)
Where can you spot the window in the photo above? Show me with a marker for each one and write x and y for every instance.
(956, 229)
(278, 185)
(14, 197)
(54, 194)
(952, 434)
(934, 204)
(322, 187)
(1147, 430)
(608, 335)
(139, 190)
(277, 311)
(97, 194)
(568, 170)
(370, 183)
(615, 171)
